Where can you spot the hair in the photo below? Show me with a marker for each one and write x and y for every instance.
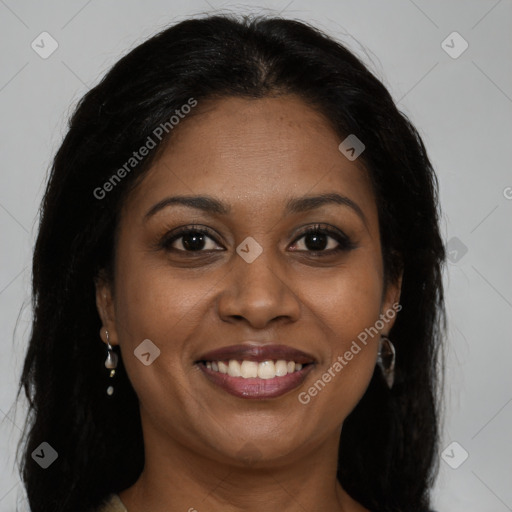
(389, 443)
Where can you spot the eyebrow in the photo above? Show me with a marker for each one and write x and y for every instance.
(211, 205)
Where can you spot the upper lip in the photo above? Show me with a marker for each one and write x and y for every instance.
(252, 351)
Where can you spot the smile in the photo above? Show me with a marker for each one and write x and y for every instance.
(256, 380)
(252, 369)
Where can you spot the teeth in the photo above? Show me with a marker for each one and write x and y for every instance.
(234, 368)
(248, 369)
(281, 368)
(252, 369)
(266, 370)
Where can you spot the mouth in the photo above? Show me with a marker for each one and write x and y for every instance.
(256, 371)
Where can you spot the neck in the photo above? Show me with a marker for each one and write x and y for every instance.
(178, 478)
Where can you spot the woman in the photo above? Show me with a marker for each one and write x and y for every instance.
(237, 285)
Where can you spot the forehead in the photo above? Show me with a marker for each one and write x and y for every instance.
(255, 153)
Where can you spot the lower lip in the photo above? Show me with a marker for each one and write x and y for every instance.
(257, 389)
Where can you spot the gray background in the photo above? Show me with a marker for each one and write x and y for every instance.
(462, 107)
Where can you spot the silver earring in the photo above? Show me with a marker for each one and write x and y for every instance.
(386, 360)
(110, 363)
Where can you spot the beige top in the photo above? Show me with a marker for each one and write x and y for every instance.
(113, 503)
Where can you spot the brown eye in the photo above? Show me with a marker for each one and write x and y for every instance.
(190, 240)
(318, 239)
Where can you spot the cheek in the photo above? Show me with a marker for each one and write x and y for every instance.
(155, 299)
(347, 300)
(346, 305)
(154, 303)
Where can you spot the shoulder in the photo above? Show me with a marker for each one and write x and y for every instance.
(112, 503)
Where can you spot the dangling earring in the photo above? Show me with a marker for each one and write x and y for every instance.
(386, 360)
(110, 363)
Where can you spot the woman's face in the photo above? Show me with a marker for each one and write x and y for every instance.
(252, 280)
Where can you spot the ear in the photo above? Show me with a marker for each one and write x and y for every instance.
(106, 309)
(391, 303)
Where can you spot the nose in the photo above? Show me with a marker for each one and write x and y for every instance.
(258, 292)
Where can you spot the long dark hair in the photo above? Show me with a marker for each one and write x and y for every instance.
(388, 447)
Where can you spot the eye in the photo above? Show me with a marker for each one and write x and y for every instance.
(317, 239)
(323, 239)
(190, 239)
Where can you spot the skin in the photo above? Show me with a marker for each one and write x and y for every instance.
(254, 155)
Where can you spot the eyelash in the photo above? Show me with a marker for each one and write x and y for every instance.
(344, 242)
